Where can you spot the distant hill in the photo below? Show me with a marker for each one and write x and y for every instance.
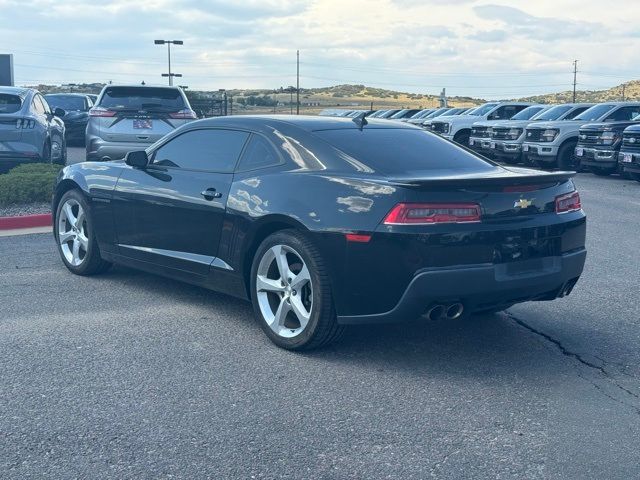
(631, 93)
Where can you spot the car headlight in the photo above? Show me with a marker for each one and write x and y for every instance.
(550, 134)
(608, 138)
(514, 133)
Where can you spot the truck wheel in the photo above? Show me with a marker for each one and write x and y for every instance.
(462, 138)
(567, 159)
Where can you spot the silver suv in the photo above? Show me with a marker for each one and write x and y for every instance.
(132, 117)
(29, 130)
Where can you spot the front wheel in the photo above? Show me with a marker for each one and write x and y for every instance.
(74, 233)
(567, 159)
(291, 294)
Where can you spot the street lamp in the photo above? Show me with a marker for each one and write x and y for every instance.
(169, 42)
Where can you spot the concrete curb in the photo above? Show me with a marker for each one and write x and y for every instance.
(25, 221)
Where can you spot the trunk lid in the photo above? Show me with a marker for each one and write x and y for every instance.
(8, 128)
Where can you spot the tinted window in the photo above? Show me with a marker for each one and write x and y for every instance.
(402, 151)
(576, 112)
(624, 114)
(9, 103)
(213, 150)
(66, 102)
(143, 98)
(527, 113)
(506, 112)
(258, 154)
(594, 113)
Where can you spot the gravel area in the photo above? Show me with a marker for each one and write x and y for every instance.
(25, 209)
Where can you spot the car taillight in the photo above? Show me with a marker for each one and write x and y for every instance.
(568, 203)
(101, 112)
(431, 213)
(25, 123)
(186, 113)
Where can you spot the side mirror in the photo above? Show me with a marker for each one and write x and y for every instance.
(137, 159)
(58, 112)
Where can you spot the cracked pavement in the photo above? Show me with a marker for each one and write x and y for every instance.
(128, 375)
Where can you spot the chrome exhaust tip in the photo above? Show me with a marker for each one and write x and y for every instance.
(454, 311)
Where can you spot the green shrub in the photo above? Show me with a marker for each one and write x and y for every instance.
(28, 183)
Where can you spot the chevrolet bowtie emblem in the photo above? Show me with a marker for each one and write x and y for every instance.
(523, 203)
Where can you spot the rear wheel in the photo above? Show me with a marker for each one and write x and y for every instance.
(291, 295)
(567, 159)
(74, 233)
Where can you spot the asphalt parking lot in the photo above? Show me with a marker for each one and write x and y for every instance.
(129, 375)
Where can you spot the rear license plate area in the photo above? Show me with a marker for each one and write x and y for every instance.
(142, 124)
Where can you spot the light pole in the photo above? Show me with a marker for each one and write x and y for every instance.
(223, 95)
(169, 42)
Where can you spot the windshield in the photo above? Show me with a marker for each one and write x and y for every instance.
(66, 102)
(595, 112)
(553, 113)
(143, 98)
(420, 114)
(471, 111)
(527, 113)
(437, 113)
(402, 151)
(400, 114)
(10, 103)
(484, 109)
(388, 113)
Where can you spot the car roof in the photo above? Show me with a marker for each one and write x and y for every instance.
(21, 91)
(67, 94)
(137, 85)
(308, 123)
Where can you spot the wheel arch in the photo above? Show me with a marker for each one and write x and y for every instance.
(572, 139)
(266, 226)
(63, 187)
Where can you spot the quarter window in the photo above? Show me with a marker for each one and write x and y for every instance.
(623, 114)
(258, 154)
(208, 149)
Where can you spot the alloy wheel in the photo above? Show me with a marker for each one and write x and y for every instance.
(72, 232)
(284, 291)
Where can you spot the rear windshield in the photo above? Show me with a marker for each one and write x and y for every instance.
(402, 151)
(594, 113)
(10, 103)
(143, 98)
(66, 102)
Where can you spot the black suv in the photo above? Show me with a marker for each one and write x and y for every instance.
(599, 143)
(629, 156)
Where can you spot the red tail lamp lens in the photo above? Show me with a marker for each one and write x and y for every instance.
(430, 213)
(568, 203)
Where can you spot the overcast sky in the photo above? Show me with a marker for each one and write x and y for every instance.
(490, 49)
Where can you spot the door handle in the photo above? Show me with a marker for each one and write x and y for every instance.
(210, 194)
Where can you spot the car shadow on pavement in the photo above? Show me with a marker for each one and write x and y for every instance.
(479, 345)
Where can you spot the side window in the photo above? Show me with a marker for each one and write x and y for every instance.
(623, 114)
(576, 112)
(258, 154)
(506, 112)
(207, 149)
(43, 102)
(37, 106)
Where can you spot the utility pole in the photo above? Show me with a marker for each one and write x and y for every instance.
(624, 86)
(575, 77)
(297, 82)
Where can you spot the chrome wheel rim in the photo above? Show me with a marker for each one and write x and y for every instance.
(284, 291)
(72, 232)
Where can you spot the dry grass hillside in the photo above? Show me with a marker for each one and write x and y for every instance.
(631, 93)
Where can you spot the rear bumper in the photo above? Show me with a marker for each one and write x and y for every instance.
(97, 149)
(483, 287)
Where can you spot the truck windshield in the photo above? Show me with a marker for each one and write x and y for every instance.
(484, 109)
(527, 113)
(595, 112)
(553, 113)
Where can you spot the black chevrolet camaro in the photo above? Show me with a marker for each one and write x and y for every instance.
(322, 222)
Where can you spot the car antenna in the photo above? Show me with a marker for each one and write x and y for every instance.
(360, 120)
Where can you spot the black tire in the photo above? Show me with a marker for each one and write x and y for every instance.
(46, 152)
(603, 172)
(63, 154)
(322, 327)
(567, 159)
(462, 138)
(634, 176)
(92, 263)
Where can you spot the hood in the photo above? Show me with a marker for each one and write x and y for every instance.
(75, 115)
(558, 124)
(635, 128)
(608, 126)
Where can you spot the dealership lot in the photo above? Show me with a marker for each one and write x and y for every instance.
(131, 375)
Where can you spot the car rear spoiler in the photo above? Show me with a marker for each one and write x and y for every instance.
(503, 178)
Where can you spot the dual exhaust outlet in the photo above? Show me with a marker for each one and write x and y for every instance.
(449, 311)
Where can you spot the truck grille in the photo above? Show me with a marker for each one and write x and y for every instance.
(631, 142)
(437, 127)
(480, 132)
(589, 137)
(500, 133)
(533, 134)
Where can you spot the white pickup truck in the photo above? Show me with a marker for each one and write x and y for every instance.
(458, 128)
